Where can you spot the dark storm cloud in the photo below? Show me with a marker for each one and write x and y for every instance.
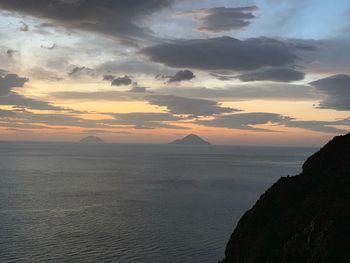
(220, 19)
(10, 81)
(224, 53)
(247, 121)
(336, 90)
(273, 74)
(186, 106)
(118, 18)
(147, 120)
(181, 75)
(122, 81)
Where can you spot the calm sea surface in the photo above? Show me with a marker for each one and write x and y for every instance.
(63, 202)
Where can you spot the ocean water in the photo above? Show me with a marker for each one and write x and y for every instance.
(70, 202)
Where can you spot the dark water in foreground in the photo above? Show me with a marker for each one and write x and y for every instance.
(129, 203)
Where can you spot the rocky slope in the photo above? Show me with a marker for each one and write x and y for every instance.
(304, 218)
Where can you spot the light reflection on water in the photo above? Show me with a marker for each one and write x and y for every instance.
(129, 203)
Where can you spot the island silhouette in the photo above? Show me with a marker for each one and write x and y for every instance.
(92, 140)
(191, 139)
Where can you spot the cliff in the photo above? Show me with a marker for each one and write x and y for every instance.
(304, 218)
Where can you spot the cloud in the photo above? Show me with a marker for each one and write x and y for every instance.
(10, 81)
(186, 106)
(21, 101)
(137, 120)
(49, 47)
(98, 95)
(44, 74)
(13, 125)
(220, 19)
(222, 77)
(181, 75)
(246, 91)
(105, 131)
(330, 56)
(151, 120)
(224, 53)
(24, 27)
(138, 89)
(273, 74)
(79, 71)
(122, 81)
(147, 120)
(247, 121)
(132, 66)
(320, 126)
(244, 121)
(59, 119)
(9, 97)
(6, 113)
(117, 18)
(250, 91)
(108, 77)
(174, 104)
(336, 91)
(3, 72)
(11, 53)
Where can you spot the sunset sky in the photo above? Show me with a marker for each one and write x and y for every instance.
(263, 72)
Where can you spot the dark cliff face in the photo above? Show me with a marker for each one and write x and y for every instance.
(305, 218)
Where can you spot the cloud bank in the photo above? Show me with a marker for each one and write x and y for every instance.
(220, 19)
(224, 53)
(336, 90)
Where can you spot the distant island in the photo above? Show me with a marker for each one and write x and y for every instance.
(92, 140)
(190, 139)
(302, 218)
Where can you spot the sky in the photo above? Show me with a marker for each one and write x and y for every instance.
(246, 72)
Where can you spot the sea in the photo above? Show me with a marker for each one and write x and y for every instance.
(73, 202)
